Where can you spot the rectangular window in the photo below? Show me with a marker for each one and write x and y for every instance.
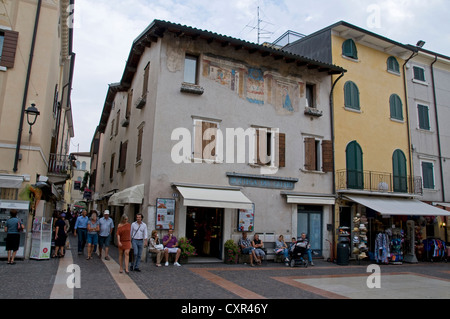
(190, 69)
(117, 123)
(8, 46)
(318, 155)
(111, 168)
(310, 100)
(139, 143)
(424, 118)
(419, 73)
(146, 75)
(123, 156)
(270, 147)
(129, 101)
(428, 175)
(205, 140)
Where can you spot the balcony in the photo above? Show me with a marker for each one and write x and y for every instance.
(378, 182)
(59, 167)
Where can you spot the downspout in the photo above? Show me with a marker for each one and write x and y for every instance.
(333, 208)
(27, 83)
(437, 129)
(405, 84)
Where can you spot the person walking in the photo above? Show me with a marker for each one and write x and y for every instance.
(104, 236)
(81, 230)
(124, 242)
(12, 229)
(60, 235)
(92, 234)
(138, 240)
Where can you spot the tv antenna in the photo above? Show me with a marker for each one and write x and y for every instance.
(261, 32)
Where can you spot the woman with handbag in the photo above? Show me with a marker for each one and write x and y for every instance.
(124, 242)
(13, 228)
(156, 247)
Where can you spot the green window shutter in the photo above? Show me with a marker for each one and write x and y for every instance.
(392, 65)
(399, 172)
(396, 107)
(427, 175)
(349, 49)
(354, 159)
(351, 95)
(424, 120)
(419, 73)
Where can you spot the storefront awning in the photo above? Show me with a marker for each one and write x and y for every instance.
(309, 199)
(398, 206)
(214, 197)
(11, 181)
(114, 200)
(131, 195)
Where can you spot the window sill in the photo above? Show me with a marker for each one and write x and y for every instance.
(394, 72)
(352, 110)
(313, 111)
(401, 121)
(420, 82)
(3, 68)
(191, 88)
(138, 163)
(312, 171)
(424, 130)
(350, 59)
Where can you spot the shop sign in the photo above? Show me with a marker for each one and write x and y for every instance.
(165, 213)
(261, 181)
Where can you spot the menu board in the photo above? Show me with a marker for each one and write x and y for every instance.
(246, 219)
(165, 213)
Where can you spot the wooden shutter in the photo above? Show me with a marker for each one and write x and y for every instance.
(146, 75)
(261, 147)
(139, 145)
(8, 53)
(209, 133)
(129, 101)
(281, 147)
(310, 153)
(327, 155)
(424, 121)
(123, 156)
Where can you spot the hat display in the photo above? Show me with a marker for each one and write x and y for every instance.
(359, 236)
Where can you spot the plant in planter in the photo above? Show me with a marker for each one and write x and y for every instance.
(232, 252)
(187, 249)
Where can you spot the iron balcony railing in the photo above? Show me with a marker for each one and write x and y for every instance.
(378, 181)
(59, 164)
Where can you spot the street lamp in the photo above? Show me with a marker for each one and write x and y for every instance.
(32, 114)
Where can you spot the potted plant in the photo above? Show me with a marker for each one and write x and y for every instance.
(187, 249)
(232, 252)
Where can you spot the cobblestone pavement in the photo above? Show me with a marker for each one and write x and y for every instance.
(100, 279)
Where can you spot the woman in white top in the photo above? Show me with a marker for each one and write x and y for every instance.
(156, 247)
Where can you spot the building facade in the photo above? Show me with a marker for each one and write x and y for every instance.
(210, 134)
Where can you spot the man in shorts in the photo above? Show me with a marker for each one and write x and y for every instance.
(106, 228)
(247, 249)
(170, 243)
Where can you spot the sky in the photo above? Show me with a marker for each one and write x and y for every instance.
(104, 31)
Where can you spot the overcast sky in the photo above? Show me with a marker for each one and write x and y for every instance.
(105, 29)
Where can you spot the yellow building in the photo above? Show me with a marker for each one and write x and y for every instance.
(375, 188)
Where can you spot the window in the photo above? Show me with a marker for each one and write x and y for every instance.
(77, 185)
(318, 155)
(270, 147)
(129, 101)
(145, 85)
(392, 65)
(205, 140)
(310, 100)
(8, 45)
(117, 123)
(428, 175)
(139, 143)
(396, 107)
(111, 167)
(190, 69)
(351, 96)
(354, 162)
(399, 172)
(349, 49)
(419, 73)
(123, 156)
(424, 119)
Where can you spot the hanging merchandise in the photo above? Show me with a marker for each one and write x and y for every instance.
(382, 251)
(396, 246)
(360, 236)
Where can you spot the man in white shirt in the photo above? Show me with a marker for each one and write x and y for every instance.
(104, 236)
(139, 238)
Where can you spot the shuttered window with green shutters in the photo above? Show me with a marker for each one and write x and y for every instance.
(399, 172)
(396, 107)
(428, 175)
(354, 159)
(349, 49)
(351, 96)
(392, 65)
(424, 118)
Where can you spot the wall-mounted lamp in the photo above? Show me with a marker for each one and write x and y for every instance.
(32, 114)
(443, 224)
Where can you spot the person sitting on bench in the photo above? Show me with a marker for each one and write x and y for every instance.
(170, 243)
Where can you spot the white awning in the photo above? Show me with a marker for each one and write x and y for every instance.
(114, 200)
(11, 181)
(311, 199)
(398, 206)
(131, 195)
(214, 197)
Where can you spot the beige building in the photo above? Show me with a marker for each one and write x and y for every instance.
(36, 67)
(210, 134)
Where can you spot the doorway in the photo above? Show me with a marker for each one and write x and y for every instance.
(204, 228)
(310, 222)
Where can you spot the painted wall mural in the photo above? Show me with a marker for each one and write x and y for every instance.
(255, 85)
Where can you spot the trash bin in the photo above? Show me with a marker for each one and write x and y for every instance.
(343, 253)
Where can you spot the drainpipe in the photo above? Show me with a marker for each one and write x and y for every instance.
(333, 208)
(27, 82)
(405, 84)
(437, 129)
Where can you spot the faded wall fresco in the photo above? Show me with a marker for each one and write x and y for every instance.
(255, 85)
